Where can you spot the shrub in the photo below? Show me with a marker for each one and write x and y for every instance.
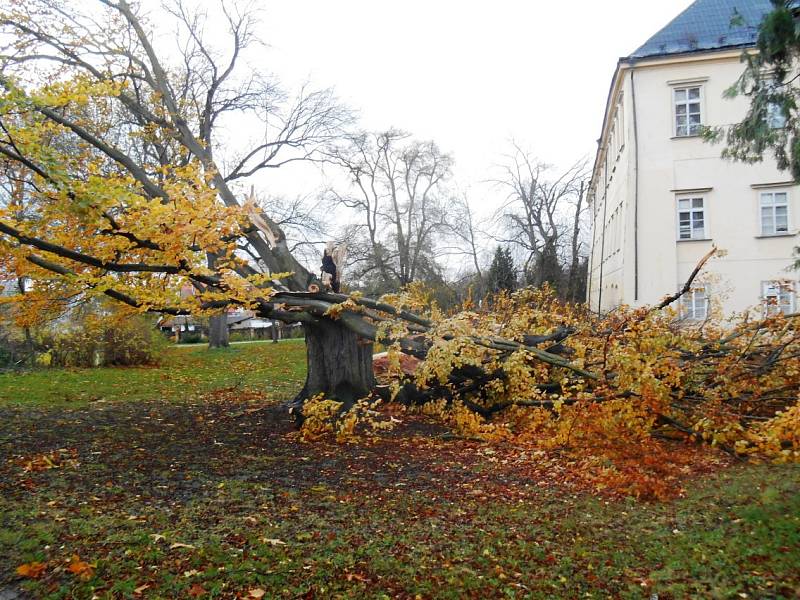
(105, 339)
(191, 337)
(15, 351)
(297, 333)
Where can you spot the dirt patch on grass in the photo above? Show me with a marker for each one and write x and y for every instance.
(164, 454)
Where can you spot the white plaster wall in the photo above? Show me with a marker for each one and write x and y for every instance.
(609, 276)
(667, 164)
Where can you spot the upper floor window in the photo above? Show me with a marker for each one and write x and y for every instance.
(777, 297)
(688, 117)
(775, 116)
(776, 119)
(691, 219)
(694, 305)
(774, 211)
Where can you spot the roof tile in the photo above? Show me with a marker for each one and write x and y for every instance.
(706, 25)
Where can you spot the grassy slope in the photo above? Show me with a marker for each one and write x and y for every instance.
(407, 517)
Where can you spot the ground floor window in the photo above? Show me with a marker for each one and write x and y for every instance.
(694, 305)
(777, 297)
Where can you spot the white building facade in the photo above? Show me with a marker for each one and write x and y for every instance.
(661, 198)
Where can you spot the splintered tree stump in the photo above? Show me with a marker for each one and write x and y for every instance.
(380, 364)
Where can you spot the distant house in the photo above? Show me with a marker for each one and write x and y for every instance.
(249, 324)
(180, 326)
(13, 287)
(243, 322)
(660, 197)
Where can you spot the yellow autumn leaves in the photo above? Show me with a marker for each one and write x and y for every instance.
(324, 416)
(732, 384)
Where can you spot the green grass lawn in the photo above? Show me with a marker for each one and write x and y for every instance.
(185, 372)
(210, 494)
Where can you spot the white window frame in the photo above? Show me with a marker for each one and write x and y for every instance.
(693, 211)
(767, 201)
(777, 297)
(695, 304)
(691, 129)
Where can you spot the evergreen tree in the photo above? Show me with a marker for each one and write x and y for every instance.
(769, 82)
(501, 274)
(770, 85)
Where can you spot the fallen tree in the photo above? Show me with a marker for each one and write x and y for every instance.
(535, 367)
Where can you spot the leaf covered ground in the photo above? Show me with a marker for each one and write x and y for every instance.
(203, 489)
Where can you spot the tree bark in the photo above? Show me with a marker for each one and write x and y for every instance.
(218, 335)
(339, 365)
(218, 331)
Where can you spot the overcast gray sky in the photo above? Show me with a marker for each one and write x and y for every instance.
(470, 75)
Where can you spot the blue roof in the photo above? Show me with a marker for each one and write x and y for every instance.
(706, 25)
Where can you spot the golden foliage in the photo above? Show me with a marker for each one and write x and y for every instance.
(325, 416)
(94, 207)
(729, 383)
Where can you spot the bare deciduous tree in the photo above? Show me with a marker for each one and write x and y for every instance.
(396, 194)
(542, 216)
(465, 229)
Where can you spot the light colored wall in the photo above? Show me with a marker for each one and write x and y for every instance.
(667, 164)
(610, 257)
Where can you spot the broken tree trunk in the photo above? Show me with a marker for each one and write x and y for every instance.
(339, 365)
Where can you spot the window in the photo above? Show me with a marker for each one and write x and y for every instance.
(775, 117)
(687, 111)
(774, 207)
(777, 297)
(694, 305)
(691, 219)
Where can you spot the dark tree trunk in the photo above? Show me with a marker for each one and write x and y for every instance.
(218, 331)
(217, 324)
(339, 365)
(275, 332)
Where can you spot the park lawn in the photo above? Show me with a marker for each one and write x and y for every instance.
(185, 372)
(214, 496)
